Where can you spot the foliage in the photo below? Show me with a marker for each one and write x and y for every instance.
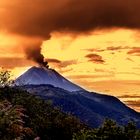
(11, 121)
(5, 76)
(32, 117)
(110, 130)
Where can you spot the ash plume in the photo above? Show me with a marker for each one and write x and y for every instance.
(34, 53)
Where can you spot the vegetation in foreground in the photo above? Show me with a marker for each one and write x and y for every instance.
(23, 116)
(26, 117)
(109, 131)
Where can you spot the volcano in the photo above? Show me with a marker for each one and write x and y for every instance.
(90, 107)
(45, 76)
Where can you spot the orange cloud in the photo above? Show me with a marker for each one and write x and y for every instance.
(129, 59)
(95, 58)
(113, 48)
(61, 64)
(134, 51)
(13, 62)
(95, 50)
(67, 70)
(67, 63)
(129, 96)
(133, 103)
(88, 76)
(51, 60)
(133, 73)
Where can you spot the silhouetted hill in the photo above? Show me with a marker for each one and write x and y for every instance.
(91, 108)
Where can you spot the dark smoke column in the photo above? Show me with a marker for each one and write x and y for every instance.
(34, 53)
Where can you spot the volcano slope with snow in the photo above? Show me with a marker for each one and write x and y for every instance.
(91, 108)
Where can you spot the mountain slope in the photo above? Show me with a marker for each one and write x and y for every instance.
(41, 75)
(91, 108)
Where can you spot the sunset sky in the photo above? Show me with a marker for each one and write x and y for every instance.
(94, 43)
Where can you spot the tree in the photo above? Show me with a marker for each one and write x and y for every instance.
(110, 130)
(11, 122)
(86, 135)
(5, 76)
(130, 131)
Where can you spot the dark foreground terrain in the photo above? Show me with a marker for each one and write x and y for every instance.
(91, 108)
(27, 117)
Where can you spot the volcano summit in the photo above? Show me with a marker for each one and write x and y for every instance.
(45, 76)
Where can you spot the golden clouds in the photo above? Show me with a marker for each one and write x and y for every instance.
(95, 58)
(98, 48)
(67, 53)
(134, 105)
(61, 64)
(135, 51)
(12, 62)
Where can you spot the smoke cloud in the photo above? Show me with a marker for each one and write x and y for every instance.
(34, 53)
(39, 18)
(42, 17)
